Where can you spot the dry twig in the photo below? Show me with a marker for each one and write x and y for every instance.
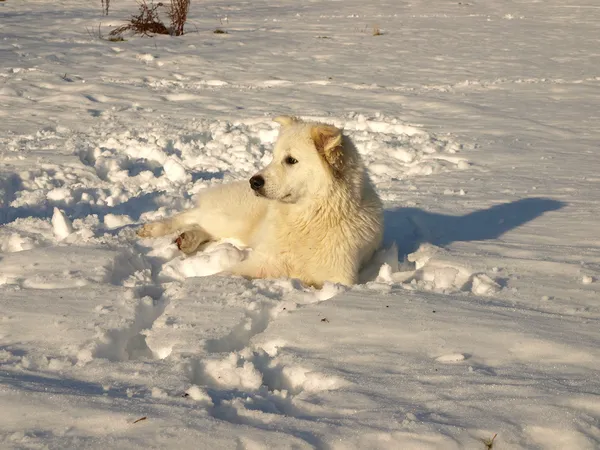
(178, 14)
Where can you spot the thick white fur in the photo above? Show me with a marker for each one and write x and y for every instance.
(317, 220)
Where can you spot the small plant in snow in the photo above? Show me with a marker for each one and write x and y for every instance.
(147, 22)
(105, 6)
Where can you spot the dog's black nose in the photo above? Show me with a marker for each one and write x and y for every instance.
(256, 182)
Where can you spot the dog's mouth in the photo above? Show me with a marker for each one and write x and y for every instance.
(261, 193)
(286, 199)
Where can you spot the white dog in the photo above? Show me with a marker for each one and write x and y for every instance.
(311, 214)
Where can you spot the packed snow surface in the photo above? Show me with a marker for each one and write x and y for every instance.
(479, 124)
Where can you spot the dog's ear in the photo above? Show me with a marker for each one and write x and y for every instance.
(285, 121)
(328, 142)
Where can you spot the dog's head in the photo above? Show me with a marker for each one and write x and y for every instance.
(307, 158)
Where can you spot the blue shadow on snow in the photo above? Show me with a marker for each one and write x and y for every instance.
(410, 227)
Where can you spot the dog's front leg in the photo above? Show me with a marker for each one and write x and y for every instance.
(181, 222)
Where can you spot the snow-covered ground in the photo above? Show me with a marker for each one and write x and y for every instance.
(479, 122)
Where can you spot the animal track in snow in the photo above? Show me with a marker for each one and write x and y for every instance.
(252, 368)
(256, 321)
(239, 381)
(128, 342)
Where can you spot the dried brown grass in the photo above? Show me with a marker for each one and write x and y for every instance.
(147, 22)
(178, 12)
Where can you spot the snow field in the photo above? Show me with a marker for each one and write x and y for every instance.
(223, 349)
(476, 120)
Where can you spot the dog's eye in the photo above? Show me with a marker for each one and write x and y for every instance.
(291, 160)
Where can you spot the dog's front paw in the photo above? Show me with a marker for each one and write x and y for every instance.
(154, 229)
(190, 241)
